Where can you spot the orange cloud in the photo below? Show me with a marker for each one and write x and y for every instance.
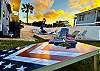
(42, 4)
(40, 7)
(51, 16)
(73, 3)
(38, 15)
(84, 5)
(96, 3)
(69, 17)
(54, 14)
(84, 1)
(15, 5)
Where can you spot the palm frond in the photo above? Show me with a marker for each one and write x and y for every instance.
(24, 6)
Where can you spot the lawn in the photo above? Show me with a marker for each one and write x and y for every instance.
(7, 44)
(84, 65)
(93, 42)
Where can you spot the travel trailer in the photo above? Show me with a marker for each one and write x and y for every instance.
(88, 18)
(89, 21)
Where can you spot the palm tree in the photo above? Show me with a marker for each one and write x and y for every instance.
(27, 8)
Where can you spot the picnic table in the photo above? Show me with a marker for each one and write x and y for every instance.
(49, 57)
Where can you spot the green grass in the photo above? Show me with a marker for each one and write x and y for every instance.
(84, 65)
(95, 43)
(7, 44)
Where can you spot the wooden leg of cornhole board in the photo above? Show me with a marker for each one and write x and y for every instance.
(96, 66)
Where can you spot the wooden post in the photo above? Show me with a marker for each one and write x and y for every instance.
(96, 66)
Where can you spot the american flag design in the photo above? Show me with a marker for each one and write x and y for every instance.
(39, 55)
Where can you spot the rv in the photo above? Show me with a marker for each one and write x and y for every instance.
(90, 17)
(89, 21)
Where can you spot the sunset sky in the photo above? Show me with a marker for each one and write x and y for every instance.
(55, 10)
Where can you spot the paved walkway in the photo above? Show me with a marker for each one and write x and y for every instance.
(27, 33)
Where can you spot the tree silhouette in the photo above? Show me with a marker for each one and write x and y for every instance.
(27, 8)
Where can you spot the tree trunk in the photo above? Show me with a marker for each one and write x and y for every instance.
(27, 17)
(27, 14)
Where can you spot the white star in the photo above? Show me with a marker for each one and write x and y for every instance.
(21, 68)
(10, 51)
(2, 55)
(18, 48)
(9, 66)
(4, 50)
(1, 63)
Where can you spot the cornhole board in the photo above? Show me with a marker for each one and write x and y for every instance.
(52, 57)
